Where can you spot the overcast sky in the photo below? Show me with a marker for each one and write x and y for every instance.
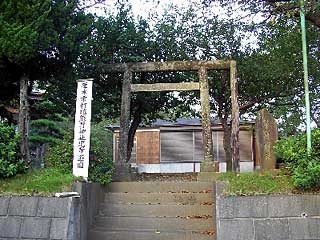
(144, 7)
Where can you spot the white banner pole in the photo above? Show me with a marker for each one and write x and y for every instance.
(81, 144)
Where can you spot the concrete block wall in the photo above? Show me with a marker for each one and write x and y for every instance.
(85, 208)
(289, 217)
(23, 217)
(34, 217)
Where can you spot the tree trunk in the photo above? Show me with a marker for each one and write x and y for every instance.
(24, 120)
(223, 115)
(227, 143)
(132, 131)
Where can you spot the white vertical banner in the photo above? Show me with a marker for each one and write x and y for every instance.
(81, 144)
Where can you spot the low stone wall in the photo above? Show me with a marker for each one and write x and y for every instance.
(267, 217)
(86, 207)
(23, 217)
(34, 217)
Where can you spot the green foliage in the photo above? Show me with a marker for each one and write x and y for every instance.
(41, 39)
(42, 139)
(307, 175)
(38, 182)
(45, 106)
(45, 123)
(100, 170)
(257, 183)
(304, 166)
(45, 132)
(10, 163)
(291, 150)
(20, 24)
(37, 27)
(60, 155)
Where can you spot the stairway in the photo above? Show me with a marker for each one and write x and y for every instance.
(156, 211)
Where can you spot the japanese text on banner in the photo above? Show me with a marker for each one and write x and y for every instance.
(82, 128)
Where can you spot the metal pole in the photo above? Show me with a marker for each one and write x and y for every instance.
(305, 73)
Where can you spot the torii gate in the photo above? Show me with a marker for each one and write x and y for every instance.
(209, 164)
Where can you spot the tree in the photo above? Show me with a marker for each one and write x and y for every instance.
(176, 37)
(270, 9)
(192, 34)
(120, 38)
(38, 40)
(268, 72)
(284, 15)
(265, 70)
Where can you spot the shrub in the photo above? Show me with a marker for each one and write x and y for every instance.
(10, 163)
(60, 155)
(305, 167)
(291, 150)
(100, 168)
(307, 176)
(43, 133)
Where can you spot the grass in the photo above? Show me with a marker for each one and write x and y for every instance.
(257, 183)
(44, 182)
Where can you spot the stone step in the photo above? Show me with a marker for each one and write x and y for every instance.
(154, 223)
(155, 198)
(100, 234)
(146, 210)
(156, 211)
(161, 187)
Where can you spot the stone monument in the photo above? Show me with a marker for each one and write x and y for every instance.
(266, 133)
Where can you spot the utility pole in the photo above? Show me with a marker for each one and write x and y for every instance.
(305, 73)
